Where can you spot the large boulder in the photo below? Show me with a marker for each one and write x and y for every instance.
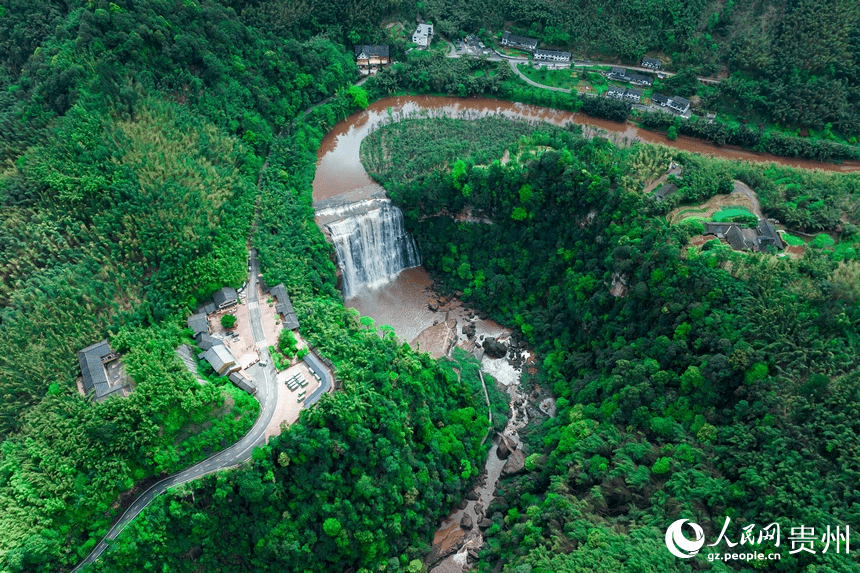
(472, 496)
(466, 522)
(485, 523)
(494, 349)
(515, 464)
(506, 446)
(469, 330)
(503, 451)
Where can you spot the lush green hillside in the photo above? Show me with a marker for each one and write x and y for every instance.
(714, 384)
(131, 137)
(133, 140)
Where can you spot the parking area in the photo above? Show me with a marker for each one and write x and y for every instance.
(293, 383)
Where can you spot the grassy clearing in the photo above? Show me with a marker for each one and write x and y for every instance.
(793, 241)
(731, 212)
(564, 78)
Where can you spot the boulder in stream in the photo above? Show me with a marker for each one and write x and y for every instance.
(506, 446)
(516, 462)
(485, 523)
(472, 496)
(494, 349)
(466, 522)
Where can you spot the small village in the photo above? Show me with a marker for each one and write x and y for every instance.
(372, 58)
(237, 335)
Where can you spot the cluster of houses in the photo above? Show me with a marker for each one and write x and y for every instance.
(530, 44)
(473, 45)
(213, 349)
(675, 103)
(626, 94)
(741, 238)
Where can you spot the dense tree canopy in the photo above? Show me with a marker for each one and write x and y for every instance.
(705, 387)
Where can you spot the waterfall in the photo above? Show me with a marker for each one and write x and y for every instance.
(372, 246)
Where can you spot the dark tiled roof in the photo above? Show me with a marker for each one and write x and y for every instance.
(509, 38)
(552, 54)
(618, 71)
(207, 307)
(284, 306)
(225, 296)
(244, 383)
(679, 102)
(666, 190)
(651, 63)
(659, 98)
(92, 369)
(634, 94)
(718, 229)
(198, 323)
(370, 51)
(206, 341)
(768, 235)
(220, 357)
(639, 78)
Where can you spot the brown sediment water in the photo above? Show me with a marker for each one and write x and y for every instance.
(339, 169)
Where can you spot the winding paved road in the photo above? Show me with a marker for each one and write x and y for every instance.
(267, 395)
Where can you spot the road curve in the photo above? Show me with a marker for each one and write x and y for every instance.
(517, 71)
(267, 395)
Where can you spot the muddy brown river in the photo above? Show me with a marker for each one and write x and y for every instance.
(339, 169)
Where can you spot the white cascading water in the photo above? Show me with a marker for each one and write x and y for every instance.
(373, 247)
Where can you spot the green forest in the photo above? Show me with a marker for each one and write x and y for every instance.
(145, 145)
(718, 384)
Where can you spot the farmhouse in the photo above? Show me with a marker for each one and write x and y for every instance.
(665, 190)
(633, 95)
(639, 79)
(221, 359)
(515, 41)
(102, 374)
(679, 104)
(206, 341)
(617, 73)
(370, 58)
(198, 323)
(284, 307)
(423, 35)
(652, 63)
(243, 382)
(661, 99)
(225, 297)
(743, 239)
(552, 55)
(615, 92)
